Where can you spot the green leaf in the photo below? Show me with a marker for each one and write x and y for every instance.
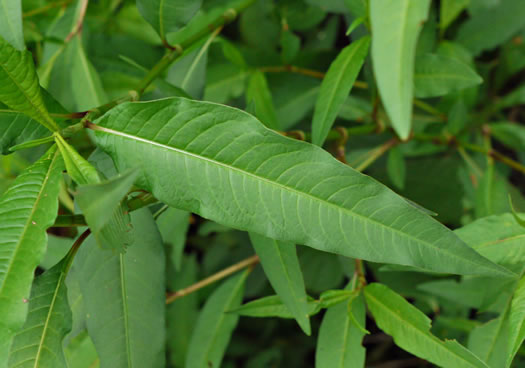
(87, 87)
(80, 170)
(438, 75)
(410, 329)
(173, 226)
(39, 343)
(396, 167)
(259, 94)
(19, 88)
(336, 86)
(498, 238)
(290, 46)
(81, 353)
(226, 166)
(27, 209)
(214, 327)
(124, 297)
(272, 306)
(101, 205)
(183, 312)
(516, 321)
(189, 72)
(490, 341)
(11, 23)
(510, 134)
(168, 15)
(395, 29)
(339, 341)
(281, 265)
(449, 10)
(505, 19)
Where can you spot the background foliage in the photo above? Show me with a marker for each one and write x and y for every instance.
(181, 183)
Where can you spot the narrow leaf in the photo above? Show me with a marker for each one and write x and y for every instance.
(272, 306)
(39, 343)
(516, 321)
(339, 342)
(410, 329)
(124, 298)
(438, 75)
(281, 265)
(449, 10)
(77, 166)
(168, 15)
(27, 209)
(396, 167)
(11, 23)
(395, 28)
(336, 86)
(214, 327)
(258, 93)
(19, 88)
(225, 166)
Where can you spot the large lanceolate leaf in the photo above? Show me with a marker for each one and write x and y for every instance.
(281, 265)
(168, 15)
(395, 28)
(339, 342)
(336, 86)
(27, 209)
(39, 343)
(215, 326)
(19, 88)
(11, 23)
(410, 329)
(224, 165)
(124, 298)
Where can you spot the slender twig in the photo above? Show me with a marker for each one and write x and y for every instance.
(74, 248)
(496, 155)
(77, 28)
(248, 262)
(44, 8)
(376, 153)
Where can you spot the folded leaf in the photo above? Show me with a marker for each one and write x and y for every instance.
(80, 170)
(101, 205)
(39, 343)
(281, 266)
(214, 327)
(226, 166)
(395, 28)
(438, 75)
(339, 342)
(19, 88)
(27, 209)
(336, 86)
(410, 329)
(124, 297)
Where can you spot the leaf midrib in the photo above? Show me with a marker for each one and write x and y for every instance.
(426, 334)
(30, 218)
(289, 189)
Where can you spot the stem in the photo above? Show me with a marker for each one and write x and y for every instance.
(45, 8)
(376, 153)
(248, 262)
(496, 155)
(77, 28)
(74, 248)
(359, 272)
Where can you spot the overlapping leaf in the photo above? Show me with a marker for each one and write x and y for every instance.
(11, 23)
(27, 209)
(19, 88)
(124, 298)
(281, 266)
(39, 343)
(225, 166)
(410, 329)
(395, 29)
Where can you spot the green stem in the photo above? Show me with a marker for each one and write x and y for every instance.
(376, 153)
